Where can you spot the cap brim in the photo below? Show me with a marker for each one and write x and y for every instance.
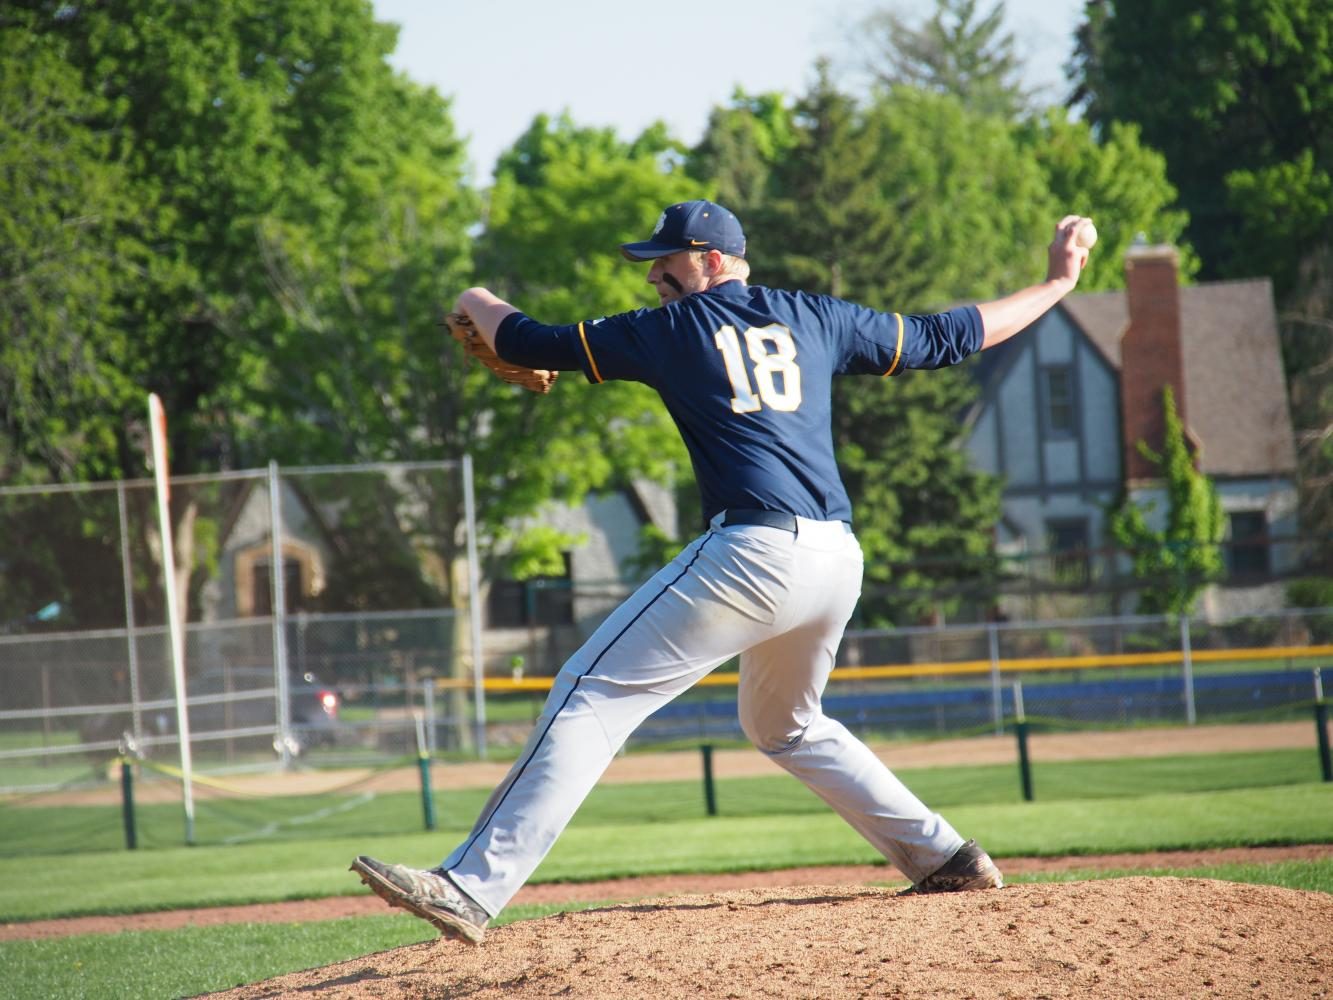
(647, 250)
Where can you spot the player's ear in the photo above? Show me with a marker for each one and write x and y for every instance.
(712, 263)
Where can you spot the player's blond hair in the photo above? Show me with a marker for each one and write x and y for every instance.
(734, 267)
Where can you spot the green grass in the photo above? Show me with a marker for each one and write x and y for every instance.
(595, 848)
(299, 848)
(26, 828)
(1311, 876)
(193, 960)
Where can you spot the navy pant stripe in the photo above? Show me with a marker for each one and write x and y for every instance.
(481, 827)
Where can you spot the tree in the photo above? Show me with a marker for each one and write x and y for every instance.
(564, 198)
(1110, 176)
(1175, 562)
(1311, 389)
(64, 252)
(956, 51)
(828, 225)
(740, 146)
(223, 120)
(909, 204)
(1239, 99)
(271, 164)
(969, 193)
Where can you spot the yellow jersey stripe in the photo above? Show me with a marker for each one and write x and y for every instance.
(898, 351)
(591, 361)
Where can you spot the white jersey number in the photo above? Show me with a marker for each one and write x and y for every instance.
(773, 353)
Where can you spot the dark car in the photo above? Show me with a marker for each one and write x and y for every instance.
(234, 705)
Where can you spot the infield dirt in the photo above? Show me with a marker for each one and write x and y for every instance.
(1115, 938)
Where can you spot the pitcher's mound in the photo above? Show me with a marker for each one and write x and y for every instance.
(1122, 938)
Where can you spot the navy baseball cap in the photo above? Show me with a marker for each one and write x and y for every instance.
(691, 225)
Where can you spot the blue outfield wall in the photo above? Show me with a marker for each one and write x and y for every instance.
(959, 710)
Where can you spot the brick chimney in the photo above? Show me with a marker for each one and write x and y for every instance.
(1150, 353)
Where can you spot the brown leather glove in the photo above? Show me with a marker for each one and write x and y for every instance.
(462, 330)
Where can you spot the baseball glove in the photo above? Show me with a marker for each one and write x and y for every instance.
(475, 346)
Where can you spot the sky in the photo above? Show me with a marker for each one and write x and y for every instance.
(626, 63)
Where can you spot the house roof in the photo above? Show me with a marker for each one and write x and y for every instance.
(1235, 392)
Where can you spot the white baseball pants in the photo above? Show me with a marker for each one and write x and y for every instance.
(778, 599)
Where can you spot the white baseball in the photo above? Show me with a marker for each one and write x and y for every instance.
(1086, 236)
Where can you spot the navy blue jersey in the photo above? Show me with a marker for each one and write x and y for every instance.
(746, 373)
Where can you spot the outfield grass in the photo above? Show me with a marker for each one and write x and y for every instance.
(305, 844)
(646, 829)
(27, 829)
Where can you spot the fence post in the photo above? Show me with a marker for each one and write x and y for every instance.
(1321, 726)
(474, 608)
(278, 593)
(423, 771)
(127, 803)
(127, 584)
(428, 698)
(996, 696)
(1187, 668)
(1021, 731)
(710, 793)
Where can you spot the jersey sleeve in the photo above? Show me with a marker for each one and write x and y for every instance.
(604, 350)
(878, 343)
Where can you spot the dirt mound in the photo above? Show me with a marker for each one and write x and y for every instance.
(1127, 937)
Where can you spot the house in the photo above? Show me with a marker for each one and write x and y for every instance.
(340, 525)
(1063, 407)
(539, 622)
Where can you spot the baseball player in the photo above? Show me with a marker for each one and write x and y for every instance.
(745, 372)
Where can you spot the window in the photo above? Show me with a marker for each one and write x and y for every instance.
(293, 590)
(537, 601)
(1247, 551)
(1067, 543)
(1057, 389)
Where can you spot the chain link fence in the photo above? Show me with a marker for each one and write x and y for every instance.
(371, 655)
(318, 607)
(1107, 673)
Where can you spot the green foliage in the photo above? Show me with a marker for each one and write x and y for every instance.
(908, 204)
(923, 514)
(64, 252)
(956, 51)
(564, 199)
(970, 197)
(1239, 98)
(1176, 562)
(1285, 210)
(827, 225)
(537, 552)
(1311, 592)
(292, 210)
(740, 146)
(1110, 176)
(1314, 592)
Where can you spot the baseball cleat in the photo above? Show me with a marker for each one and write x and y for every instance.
(970, 868)
(429, 895)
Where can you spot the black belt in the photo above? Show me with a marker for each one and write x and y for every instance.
(766, 518)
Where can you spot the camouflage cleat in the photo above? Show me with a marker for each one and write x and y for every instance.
(970, 868)
(429, 895)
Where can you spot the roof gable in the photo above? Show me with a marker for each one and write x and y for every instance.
(1236, 395)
